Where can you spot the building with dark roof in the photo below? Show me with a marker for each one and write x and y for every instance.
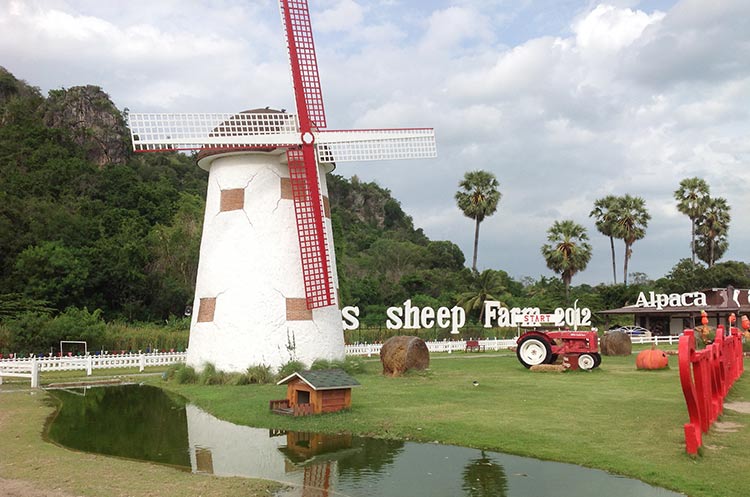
(670, 314)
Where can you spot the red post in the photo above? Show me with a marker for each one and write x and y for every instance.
(706, 377)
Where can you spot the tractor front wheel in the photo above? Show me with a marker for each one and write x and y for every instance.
(586, 361)
(533, 350)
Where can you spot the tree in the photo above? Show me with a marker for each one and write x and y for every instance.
(568, 251)
(605, 214)
(691, 197)
(631, 224)
(713, 225)
(478, 198)
(487, 285)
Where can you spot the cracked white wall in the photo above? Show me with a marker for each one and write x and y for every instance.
(250, 261)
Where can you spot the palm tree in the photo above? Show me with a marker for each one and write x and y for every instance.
(604, 213)
(691, 197)
(568, 251)
(487, 285)
(631, 224)
(713, 225)
(478, 198)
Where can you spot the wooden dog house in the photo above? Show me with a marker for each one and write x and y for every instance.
(315, 392)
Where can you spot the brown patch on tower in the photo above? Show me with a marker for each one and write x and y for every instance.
(232, 200)
(296, 310)
(206, 309)
(286, 189)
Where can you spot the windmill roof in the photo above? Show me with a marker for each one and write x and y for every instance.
(323, 379)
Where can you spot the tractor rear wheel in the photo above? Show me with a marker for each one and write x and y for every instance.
(597, 359)
(586, 361)
(534, 350)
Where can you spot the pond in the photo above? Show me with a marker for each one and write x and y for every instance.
(150, 424)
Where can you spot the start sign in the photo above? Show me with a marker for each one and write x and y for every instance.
(537, 319)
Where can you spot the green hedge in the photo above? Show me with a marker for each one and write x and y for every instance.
(41, 333)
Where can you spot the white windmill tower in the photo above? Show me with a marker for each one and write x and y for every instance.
(266, 285)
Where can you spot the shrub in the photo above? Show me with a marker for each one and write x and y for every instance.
(353, 365)
(236, 379)
(171, 371)
(185, 374)
(260, 374)
(289, 368)
(322, 364)
(211, 376)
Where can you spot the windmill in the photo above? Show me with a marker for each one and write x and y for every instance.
(308, 150)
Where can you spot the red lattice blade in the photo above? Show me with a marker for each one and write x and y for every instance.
(308, 211)
(295, 16)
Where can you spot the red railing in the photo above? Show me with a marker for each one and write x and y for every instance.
(706, 377)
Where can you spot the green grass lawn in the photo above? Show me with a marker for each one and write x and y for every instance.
(615, 418)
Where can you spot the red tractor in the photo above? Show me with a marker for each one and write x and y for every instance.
(580, 349)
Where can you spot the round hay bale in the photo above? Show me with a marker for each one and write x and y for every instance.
(616, 343)
(402, 353)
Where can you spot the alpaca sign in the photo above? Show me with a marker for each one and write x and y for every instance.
(661, 300)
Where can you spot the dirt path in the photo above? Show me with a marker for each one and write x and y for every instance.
(18, 488)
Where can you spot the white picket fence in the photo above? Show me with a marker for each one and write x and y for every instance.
(31, 367)
(658, 340)
(449, 346)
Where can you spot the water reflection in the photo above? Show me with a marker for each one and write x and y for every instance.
(109, 421)
(148, 423)
(483, 478)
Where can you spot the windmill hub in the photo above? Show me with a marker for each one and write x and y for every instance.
(308, 138)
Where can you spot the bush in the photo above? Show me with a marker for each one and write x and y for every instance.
(353, 365)
(289, 368)
(211, 376)
(260, 374)
(184, 374)
(79, 324)
(319, 364)
(236, 379)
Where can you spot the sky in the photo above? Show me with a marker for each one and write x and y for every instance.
(564, 101)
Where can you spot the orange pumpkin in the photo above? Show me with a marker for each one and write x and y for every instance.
(652, 359)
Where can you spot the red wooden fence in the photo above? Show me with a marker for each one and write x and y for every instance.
(706, 376)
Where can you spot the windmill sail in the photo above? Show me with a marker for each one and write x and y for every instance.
(249, 130)
(295, 16)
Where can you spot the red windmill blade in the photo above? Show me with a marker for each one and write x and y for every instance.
(303, 168)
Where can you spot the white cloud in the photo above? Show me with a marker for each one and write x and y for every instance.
(344, 15)
(609, 29)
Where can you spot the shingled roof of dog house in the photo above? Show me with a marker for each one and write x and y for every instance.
(328, 390)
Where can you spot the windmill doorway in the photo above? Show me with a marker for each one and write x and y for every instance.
(303, 397)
